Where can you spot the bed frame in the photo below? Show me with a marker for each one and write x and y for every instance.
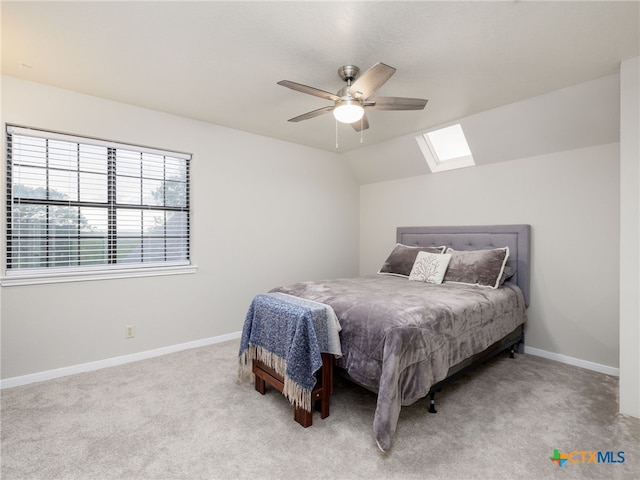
(517, 238)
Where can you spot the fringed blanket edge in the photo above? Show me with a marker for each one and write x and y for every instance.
(295, 393)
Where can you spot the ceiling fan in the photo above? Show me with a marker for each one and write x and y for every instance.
(351, 101)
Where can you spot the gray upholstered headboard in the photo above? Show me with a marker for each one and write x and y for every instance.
(478, 237)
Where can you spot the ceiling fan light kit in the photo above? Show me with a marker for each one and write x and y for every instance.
(348, 111)
(350, 103)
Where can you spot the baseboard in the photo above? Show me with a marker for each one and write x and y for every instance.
(558, 357)
(134, 357)
(112, 362)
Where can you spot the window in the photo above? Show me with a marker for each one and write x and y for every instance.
(79, 205)
(446, 148)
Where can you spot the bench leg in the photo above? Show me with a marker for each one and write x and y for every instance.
(327, 384)
(260, 384)
(303, 417)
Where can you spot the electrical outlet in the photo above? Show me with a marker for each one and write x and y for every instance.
(129, 331)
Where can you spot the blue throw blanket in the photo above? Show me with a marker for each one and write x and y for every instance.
(289, 334)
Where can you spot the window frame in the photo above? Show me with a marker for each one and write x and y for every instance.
(112, 268)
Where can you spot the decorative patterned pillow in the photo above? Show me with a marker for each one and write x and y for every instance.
(402, 257)
(477, 267)
(430, 267)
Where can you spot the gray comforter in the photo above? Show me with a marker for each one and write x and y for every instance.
(400, 337)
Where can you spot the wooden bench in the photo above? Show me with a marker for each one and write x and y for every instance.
(320, 394)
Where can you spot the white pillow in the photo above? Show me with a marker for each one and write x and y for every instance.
(430, 267)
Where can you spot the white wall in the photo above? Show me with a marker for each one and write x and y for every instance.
(630, 237)
(570, 198)
(265, 212)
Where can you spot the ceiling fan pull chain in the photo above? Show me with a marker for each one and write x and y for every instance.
(361, 131)
(336, 133)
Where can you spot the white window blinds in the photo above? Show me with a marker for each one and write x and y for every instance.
(78, 203)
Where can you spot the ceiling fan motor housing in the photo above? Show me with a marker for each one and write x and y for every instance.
(344, 94)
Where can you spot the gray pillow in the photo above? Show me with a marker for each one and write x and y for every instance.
(477, 267)
(401, 259)
(507, 274)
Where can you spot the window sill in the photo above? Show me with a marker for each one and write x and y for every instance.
(41, 277)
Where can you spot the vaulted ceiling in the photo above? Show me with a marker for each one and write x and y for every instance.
(219, 61)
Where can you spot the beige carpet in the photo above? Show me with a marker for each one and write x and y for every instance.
(185, 416)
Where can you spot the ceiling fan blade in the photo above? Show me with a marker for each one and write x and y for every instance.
(310, 90)
(395, 103)
(371, 80)
(313, 113)
(358, 126)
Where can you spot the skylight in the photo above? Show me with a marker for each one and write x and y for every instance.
(446, 148)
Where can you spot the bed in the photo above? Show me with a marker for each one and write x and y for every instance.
(404, 339)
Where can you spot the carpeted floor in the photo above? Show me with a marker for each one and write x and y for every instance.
(185, 416)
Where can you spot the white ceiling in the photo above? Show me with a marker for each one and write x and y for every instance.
(219, 61)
